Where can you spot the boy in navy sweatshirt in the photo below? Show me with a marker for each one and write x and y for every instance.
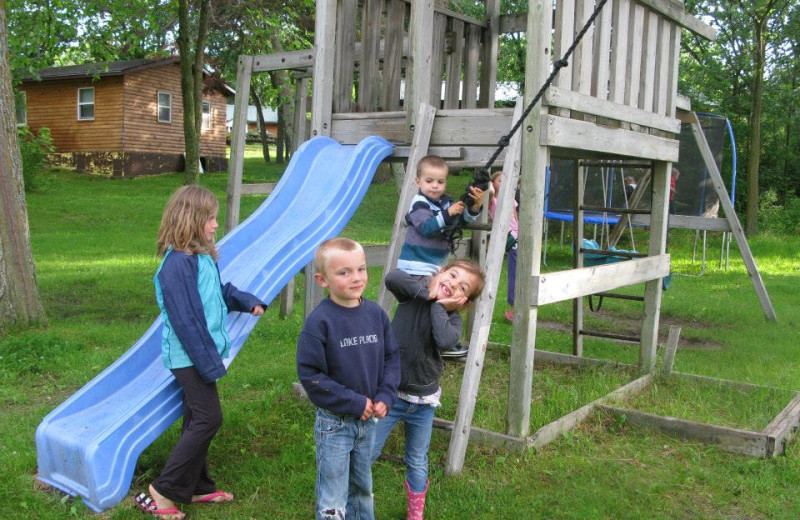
(349, 365)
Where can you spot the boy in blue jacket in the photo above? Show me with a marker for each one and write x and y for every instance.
(348, 363)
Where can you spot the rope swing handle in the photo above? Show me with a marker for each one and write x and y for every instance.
(482, 177)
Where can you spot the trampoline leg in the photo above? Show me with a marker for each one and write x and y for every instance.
(561, 241)
(703, 269)
(694, 245)
(544, 242)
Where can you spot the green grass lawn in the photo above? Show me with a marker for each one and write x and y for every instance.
(93, 240)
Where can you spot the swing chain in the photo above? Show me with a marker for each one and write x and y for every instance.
(453, 233)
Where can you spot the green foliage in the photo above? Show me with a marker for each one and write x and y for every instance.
(779, 218)
(34, 150)
(31, 353)
(93, 240)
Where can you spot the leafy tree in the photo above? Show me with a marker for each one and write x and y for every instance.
(19, 296)
(732, 72)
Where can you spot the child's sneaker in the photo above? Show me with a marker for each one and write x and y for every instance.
(458, 351)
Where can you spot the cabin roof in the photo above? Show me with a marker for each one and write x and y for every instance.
(105, 68)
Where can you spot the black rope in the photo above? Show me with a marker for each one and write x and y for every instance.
(482, 176)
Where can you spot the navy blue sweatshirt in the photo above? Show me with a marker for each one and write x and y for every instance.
(346, 354)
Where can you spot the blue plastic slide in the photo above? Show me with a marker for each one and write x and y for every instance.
(89, 445)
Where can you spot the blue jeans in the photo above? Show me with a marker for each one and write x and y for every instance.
(344, 467)
(418, 420)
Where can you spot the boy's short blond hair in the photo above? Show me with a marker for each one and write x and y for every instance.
(431, 161)
(331, 247)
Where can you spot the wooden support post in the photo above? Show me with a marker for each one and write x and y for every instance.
(324, 54)
(418, 89)
(287, 299)
(490, 51)
(577, 256)
(419, 149)
(669, 353)
(534, 164)
(658, 246)
(238, 134)
(736, 226)
(479, 338)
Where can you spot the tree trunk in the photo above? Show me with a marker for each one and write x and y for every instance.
(279, 140)
(192, 64)
(20, 304)
(754, 154)
(283, 83)
(262, 126)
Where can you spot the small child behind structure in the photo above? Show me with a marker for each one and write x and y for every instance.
(427, 321)
(349, 365)
(425, 247)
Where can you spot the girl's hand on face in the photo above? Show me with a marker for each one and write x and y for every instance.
(433, 286)
(453, 304)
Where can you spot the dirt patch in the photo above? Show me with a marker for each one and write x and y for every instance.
(607, 322)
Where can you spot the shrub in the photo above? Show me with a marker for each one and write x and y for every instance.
(776, 218)
(34, 150)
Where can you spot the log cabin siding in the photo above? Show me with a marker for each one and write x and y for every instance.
(54, 104)
(125, 137)
(142, 130)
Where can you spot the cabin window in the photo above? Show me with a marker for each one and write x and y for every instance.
(86, 103)
(164, 107)
(21, 107)
(206, 115)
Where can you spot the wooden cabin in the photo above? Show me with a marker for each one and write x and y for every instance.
(122, 118)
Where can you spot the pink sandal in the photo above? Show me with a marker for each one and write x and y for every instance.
(148, 506)
(217, 497)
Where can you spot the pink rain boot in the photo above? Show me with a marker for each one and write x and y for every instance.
(416, 502)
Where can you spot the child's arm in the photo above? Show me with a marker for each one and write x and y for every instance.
(405, 287)
(446, 326)
(241, 301)
(312, 368)
(427, 222)
(386, 395)
(178, 282)
(474, 209)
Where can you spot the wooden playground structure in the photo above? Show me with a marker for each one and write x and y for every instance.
(424, 78)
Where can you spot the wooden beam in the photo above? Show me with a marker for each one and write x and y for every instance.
(559, 286)
(734, 440)
(495, 439)
(264, 188)
(736, 226)
(324, 54)
(783, 428)
(555, 429)
(301, 59)
(559, 97)
(238, 133)
(686, 222)
(418, 89)
(484, 308)
(668, 362)
(535, 159)
(657, 247)
(677, 14)
(561, 132)
(513, 23)
(419, 150)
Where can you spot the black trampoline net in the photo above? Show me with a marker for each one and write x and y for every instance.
(612, 183)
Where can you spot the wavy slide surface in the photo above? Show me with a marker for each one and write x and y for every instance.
(89, 445)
